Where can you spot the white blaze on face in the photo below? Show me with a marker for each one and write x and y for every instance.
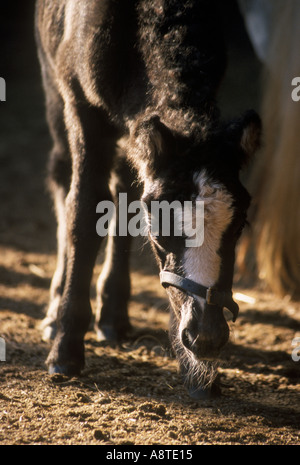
(202, 264)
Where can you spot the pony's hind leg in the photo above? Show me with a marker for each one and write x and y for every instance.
(113, 286)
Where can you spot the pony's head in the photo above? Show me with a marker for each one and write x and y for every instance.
(197, 209)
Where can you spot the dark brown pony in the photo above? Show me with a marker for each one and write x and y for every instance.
(146, 72)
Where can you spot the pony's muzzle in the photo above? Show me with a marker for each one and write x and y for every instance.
(205, 333)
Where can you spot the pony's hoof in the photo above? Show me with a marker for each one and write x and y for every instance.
(63, 370)
(110, 334)
(106, 333)
(199, 393)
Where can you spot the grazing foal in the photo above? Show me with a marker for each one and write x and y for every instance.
(146, 72)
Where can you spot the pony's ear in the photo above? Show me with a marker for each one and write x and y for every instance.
(246, 133)
(152, 144)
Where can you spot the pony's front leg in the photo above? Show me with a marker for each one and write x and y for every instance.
(91, 170)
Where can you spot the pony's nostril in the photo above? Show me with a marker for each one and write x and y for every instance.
(201, 347)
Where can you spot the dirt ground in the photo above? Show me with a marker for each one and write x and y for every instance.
(131, 394)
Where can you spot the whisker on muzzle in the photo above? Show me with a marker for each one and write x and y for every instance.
(195, 372)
